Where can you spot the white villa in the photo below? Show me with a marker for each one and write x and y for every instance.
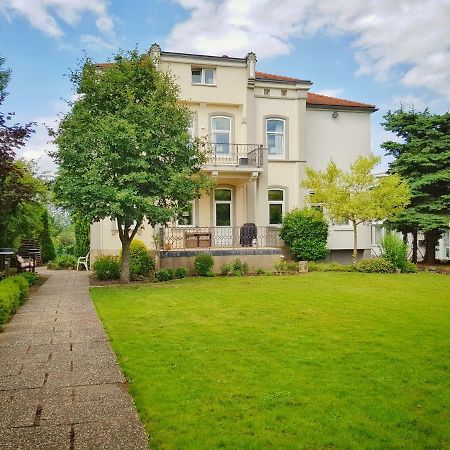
(264, 129)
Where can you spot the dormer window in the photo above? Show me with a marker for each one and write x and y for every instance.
(201, 75)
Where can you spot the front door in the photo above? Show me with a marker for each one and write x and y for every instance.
(223, 217)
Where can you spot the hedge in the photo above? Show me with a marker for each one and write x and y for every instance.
(13, 292)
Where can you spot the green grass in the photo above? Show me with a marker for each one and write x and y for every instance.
(324, 360)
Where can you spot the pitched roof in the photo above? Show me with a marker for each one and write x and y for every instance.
(324, 100)
(270, 76)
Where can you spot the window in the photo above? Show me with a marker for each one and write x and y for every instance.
(221, 134)
(222, 204)
(186, 218)
(276, 206)
(341, 222)
(275, 131)
(266, 91)
(203, 76)
(377, 233)
(284, 92)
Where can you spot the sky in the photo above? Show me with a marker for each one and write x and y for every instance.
(384, 52)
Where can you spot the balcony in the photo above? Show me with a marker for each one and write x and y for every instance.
(242, 156)
(206, 238)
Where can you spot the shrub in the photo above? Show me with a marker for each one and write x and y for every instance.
(237, 268)
(330, 267)
(45, 240)
(259, 271)
(283, 267)
(181, 272)
(81, 227)
(394, 250)
(375, 265)
(409, 267)
(141, 263)
(226, 269)
(164, 275)
(23, 286)
(63, 262)
(31, 277)
(106, 268)
(9, 298)
(305, 232)
(203, 264)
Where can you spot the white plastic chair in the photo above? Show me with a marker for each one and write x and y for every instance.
(84, 261)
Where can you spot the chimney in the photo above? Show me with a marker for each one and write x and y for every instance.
(155, 53)
(251, 65)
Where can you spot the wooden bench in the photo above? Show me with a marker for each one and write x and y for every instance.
(25, 264)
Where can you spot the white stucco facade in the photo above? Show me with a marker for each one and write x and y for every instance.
(292, 127)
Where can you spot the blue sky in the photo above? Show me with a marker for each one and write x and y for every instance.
(384, 52)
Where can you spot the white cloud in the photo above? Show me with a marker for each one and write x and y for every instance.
(408, 37)
(95, 43)
(46, 15)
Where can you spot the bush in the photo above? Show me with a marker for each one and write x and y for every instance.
(237, 268)
(203, 265)
(23, 286)
(181, 272)
(375, 265)
(164, 275)
(259, 271)
(106, 268)
(330, 267)
(63, 262)
(394, 250)
(12, 292)
(81, 227)
(31, 277)
(305, 232)
(409, 267)
(283, 267)
(141, 263)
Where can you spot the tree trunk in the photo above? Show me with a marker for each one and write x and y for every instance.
(405, 236)
(125, 263)
(414, 247)
(431, 238)
(355, 242)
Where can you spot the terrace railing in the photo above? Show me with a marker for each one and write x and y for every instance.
(190, 238)
(238, 155)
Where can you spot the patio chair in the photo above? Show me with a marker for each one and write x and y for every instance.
(84, 261)
(24, 264)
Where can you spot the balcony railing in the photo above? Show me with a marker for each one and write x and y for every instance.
(186, 238)
(238, 155)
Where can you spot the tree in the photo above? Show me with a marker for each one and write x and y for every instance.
(423, 159)
(82, 227)
(124, 150)
(357, 195)
(45, 240)
(305, 232)
(17, 187)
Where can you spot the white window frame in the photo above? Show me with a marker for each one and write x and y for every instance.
(192, 202)
(277, 202)
(203, 76)
(227, 202)
(277, 133)
(214, 131)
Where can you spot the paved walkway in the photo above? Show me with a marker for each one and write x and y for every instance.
(60, 385)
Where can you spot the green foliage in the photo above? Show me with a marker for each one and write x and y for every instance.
(65, 242)
(237, 268)
(305, 232)
(164, 275)
(181, 272)
(141, 263)
(124, 150)
(45, 240)
(422, 157)
(260, 271)
(357, 195)
(106, 268)
(23, 286)
(409, 267)
(63, 262)
(82, 228)
(394, 250)
(330, 267)
(375, 265)
(9, 298)
(203, 265)
(31, 277)
(283, 267)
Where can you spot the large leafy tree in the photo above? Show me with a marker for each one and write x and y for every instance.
(124, 150)
(19, 188)
(423, 159)
(356, 195)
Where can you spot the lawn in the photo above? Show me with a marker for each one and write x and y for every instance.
(322, 360)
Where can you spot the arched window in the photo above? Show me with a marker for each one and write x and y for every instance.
(221, 134)
(276, 206)
(276, 137)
